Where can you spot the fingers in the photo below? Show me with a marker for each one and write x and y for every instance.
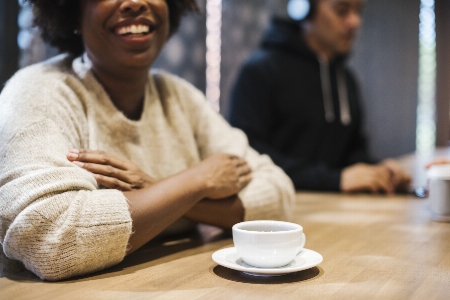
(245, 180)
(363, 177)
(107, 176)
(223, 175)
(379, 180)
(399, 178)
(404, 184)
(243, 169)
(97, 157)
(402, 181)
(109, 170)
(244, 172)
(105, 170)
(97, 162)
(112, 183)
(382, 179)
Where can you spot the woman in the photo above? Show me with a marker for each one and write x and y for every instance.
(159, 160)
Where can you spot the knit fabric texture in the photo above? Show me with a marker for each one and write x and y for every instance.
(54, 218)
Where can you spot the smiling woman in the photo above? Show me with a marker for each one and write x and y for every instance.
(98, 155)
(59, 20)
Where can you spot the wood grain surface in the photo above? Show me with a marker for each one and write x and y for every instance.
(374, 247)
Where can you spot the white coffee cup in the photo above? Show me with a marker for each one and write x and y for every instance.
(439, 192)
(267, 243)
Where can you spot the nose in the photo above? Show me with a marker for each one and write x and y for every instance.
(354, 20)
(133, 6)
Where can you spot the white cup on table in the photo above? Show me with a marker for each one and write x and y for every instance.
(268, 243)
(439, 192)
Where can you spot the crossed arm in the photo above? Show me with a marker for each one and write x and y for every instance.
(206, 192)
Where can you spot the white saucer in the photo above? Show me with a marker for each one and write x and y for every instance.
(229, 258)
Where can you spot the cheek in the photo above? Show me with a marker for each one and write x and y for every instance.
(166, 24)
(95, 13)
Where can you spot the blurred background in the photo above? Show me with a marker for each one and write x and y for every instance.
(400, 58)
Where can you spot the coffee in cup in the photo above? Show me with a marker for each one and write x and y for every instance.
(268, 243)
(439, 192)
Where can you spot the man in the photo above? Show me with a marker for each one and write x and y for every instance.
(298, 103)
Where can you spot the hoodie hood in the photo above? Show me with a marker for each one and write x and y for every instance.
(286, 35)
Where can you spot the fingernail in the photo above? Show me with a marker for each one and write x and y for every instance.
(79, 164)
(74, 151)
(72, 155)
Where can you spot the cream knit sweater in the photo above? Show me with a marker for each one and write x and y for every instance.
(54, 219)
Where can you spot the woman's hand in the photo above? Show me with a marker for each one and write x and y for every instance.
(111, 171)
(224, 175)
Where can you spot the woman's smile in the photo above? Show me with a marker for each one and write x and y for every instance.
(135, 33)
(123, 34)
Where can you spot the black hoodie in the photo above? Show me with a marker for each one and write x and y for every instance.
(301, 111)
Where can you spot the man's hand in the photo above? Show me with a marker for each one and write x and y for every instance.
(111, 171)
(400, 179)
(386, 177)
(363, 177)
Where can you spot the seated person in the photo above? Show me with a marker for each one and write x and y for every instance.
(297, 101)
(98, 155)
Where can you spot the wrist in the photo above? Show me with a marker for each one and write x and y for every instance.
(198, 182)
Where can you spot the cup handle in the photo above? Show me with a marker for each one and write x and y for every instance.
(303, 244)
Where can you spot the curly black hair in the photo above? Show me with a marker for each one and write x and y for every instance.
(57, 20)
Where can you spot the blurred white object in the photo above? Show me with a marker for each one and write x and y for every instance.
(439, 192)
(298, 9)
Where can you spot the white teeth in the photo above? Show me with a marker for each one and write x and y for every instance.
(133, 29)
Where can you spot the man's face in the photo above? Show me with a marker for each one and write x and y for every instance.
(335, 24)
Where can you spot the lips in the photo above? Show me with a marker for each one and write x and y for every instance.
(135, 32)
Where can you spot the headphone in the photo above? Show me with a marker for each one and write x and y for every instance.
(299, 10)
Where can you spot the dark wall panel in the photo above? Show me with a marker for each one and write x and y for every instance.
(386, 62)
(9, 51)
(443, 72)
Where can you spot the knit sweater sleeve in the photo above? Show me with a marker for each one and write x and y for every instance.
(271, 193)
(53, 217)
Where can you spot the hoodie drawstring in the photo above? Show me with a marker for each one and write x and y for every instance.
(327, 93)
(326, 90)
(346, 118)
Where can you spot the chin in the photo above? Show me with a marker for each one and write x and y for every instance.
(344, 50)
(140, 61)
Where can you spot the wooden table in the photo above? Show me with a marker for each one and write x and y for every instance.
(374, 247)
